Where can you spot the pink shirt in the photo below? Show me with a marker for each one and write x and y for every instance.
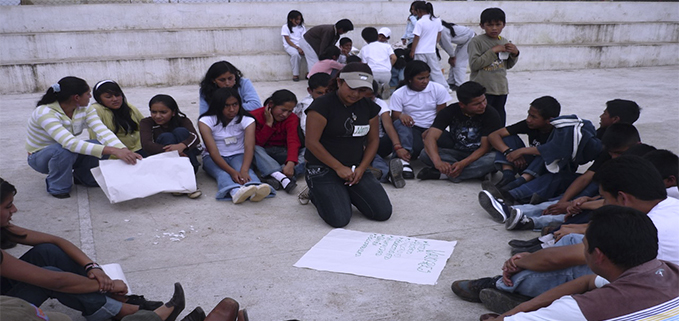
(325, 66)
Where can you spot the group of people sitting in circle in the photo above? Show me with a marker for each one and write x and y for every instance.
(346, 140)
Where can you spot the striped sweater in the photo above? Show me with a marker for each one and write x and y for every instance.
(49, 124)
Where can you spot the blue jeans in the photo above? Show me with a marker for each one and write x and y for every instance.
(531, 283)
(478, 168)
(411, 138)
(61, 166)
(270, 159)
(535, 213)
(379, 163)
(536, 165)
(333, 199)
(224, 182)
(177, 136)
(547, 185)
(94, 306)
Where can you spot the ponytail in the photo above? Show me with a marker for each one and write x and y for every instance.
(449, 25)
(63, 90)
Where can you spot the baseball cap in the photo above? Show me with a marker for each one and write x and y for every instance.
(357, 79)
(385, 31)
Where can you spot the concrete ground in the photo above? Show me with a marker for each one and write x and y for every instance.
(247, 251)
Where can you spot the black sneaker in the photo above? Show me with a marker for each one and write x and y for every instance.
(274, 183)
(395, 174)
(469, 290)
(527, 243)
(500, 301)
(495, 207)
(408, 171)
(519, 221)
(530, 249)
(429, 173)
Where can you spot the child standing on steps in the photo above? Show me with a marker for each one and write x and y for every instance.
(490, 55)
(228, 132)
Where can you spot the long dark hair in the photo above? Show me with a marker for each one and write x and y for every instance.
(449, 25)
(171, 104)
(218, 102)
(280, 97)
(208, 86)
(122, 117)
(7, 189)
(426, 7)
(292, 15)
(63, 90)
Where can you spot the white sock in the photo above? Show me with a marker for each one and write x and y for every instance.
(233, 191)
(281, 178)
(443, 176)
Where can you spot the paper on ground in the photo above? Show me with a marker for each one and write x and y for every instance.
(164, 172)
(115, 272)
(381, 256)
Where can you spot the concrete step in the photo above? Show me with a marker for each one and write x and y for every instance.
(31, 77)
(47, 47)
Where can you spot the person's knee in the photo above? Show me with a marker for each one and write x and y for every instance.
(165, 139)
(47, 248)
(64, 155)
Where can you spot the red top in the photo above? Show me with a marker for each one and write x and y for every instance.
(280, 134)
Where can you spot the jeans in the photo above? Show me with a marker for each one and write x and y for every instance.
(61, 166)
(333, 199)
(531, 283)
(547, 185)
(379, 163)
(498, 102)
(177, 136)
(269, 160)
(411, 138)
(535, 213)
(397, 75)
(224, 182)
(142, 315)
(94, 306)
(478, 168)
(536, 165)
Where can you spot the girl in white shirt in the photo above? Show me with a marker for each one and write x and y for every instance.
(228, 132)
(292, 32)
(427, 34)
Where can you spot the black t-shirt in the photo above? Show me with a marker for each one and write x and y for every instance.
(600, 160)
(467, 131)
(346, 130)
(535, 137)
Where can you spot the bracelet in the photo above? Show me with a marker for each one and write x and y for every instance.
(91, 266)
(509, 150)
(397, 147)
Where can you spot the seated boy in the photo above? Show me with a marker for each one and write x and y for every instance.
(618, 111)
(467, 154)
(380, 57)
(667, 163)
(318, 86)
(513, 155)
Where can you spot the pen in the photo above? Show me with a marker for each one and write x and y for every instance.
(353, 169)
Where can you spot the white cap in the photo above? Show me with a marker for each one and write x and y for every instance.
(385, 31)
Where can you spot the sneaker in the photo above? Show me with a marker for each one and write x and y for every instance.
(196, 315)
(469, 290)
(518, 221)
(261, 191)
(530, 249)
(536, 199)
(290, 187)
(395, 174)
(525, 243)
(243, 193)
(429, 173)
(495, 207)
(274, 183)
(62, 195)
(407, 170)
(491, 188)
(500, 301)
(194, 195)
(303, 196)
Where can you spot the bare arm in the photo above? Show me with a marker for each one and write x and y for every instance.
(315, 125)
(416, 40)
(249, 152)
(495, 139)
(389, 129)
(573, 190)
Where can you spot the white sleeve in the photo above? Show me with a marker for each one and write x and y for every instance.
(442, 95)
(246, 121)
(383, 106)
(395, 102)
(562, 309)
(285, 31)
(600, 281)
(418, 29)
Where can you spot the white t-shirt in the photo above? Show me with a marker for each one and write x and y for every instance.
(428, 31)
(302, 105)
(565, 308)
(673, 192)
(420, 105)
(295, 35)
(377, 56)
(665, 217)
(383, 109)
(230, 140)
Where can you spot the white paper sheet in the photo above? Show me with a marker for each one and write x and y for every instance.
(164, 172)
(115, 272)
(381, 256)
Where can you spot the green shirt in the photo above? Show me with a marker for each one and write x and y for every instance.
(486, 66)
(130, 140)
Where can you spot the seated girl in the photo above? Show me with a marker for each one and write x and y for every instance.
(55, 268)
(292, 32)
(119, 117)
(168, 129)
(223, 74)
(51, 141)
(277, 140)
(413, 108)
(228, 132)
(341, 141)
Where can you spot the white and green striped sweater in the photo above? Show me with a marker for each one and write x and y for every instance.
(49, 124)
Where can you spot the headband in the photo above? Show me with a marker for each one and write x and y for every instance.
(56, 87)
(103, 82)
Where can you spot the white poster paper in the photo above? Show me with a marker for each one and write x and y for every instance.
(115, 272)
(164, 172)
(382, 256)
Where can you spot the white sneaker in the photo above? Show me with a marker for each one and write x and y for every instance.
(263, 190)
(194, 195)
(303, 196)
(244, 193)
